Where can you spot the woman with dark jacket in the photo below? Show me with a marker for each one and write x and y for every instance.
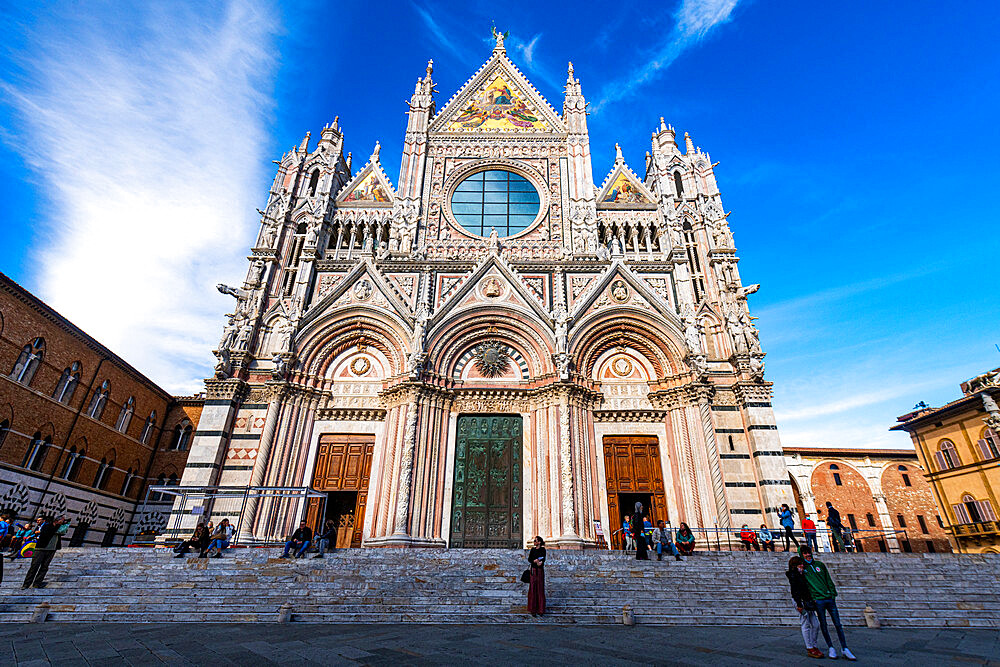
(805, 605)
(536, 587)
(198, 540)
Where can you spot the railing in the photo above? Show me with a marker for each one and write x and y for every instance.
(977, 528)
(728, 539)
(224, 502)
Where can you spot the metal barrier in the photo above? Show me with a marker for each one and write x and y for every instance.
(221, 502)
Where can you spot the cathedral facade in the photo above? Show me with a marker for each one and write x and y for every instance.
(496, 345)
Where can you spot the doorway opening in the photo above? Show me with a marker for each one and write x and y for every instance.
(341, 508)
(634, 474)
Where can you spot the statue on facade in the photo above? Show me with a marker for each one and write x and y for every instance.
(232, 291)
(223, 365)
(757, 366)
(692, 337)
(280, 369)
(744, 292)
(736, 330)
(243, 336)
(228, 334)
(312, 235)
(562, 319)
(283, 330)
(268, 236)
(256, 272)
(750, 332)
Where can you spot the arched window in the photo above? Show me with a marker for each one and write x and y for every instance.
(37, 451)
(679, 184)
(904, 473)
(989, 445)
(182, 436)
(71, 468)
(4, 430)
(173, 480)
(147, 428)
(125, 416)
(836, 475)
(313, 182)
(691, 246)
(129, 476)
(68, 381)
(156, 496)
(947, 456)
(103, 474)
(99, 400)
(28, 362)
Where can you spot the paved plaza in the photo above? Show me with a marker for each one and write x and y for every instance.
(304, 644)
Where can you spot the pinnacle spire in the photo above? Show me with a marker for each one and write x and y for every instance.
(688, 144)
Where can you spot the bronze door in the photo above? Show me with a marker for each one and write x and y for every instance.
(632, 468)
(343, 463)
(486, 498)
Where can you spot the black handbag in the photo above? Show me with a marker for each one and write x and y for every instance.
(526, 576)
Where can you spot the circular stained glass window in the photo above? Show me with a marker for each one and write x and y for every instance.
(495, 199)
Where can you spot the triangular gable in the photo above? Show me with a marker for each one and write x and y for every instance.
(623, 189)
(493, 265)
(636, 294)
(497, 98)
(350, 290)
(370, 187)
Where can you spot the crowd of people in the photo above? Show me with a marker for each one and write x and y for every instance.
(638, 534)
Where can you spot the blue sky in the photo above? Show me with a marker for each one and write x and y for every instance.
(857, 146)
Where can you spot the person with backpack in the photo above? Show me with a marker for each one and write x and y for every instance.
(788, 524)
(804, 604)
(824, 594)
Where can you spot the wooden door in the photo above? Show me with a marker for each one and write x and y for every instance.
(486, 498)
(343, 463)
(632, 465)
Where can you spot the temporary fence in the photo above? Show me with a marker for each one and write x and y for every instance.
(216, 503)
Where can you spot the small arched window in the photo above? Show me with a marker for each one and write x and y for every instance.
(836, 475)
(989, 445)
(905, 474)
(99, 400)
(313, 182)
(103, 474)
(68, 382)
(173, 480)
(72, 466)
(125, 416)
(182, 436)
(28, 362)
(147, 428)
(871, 520)
(37, 451)
(947, 456)
(156, 496)
(129, 476)
(679, 184)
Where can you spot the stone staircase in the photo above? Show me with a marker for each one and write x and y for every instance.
(483, 586)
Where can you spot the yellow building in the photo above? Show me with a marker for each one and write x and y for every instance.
(959, 448)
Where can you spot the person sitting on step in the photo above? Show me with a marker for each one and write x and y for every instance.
(299, 541)
(685, 540)
(199, 540)
(328, 539)
(766, 538)
(219, 540)
(748, 538)
(662, 540)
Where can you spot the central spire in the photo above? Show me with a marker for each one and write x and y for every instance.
(499, 36)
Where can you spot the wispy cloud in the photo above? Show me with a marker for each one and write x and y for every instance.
(528, 49)
(147, 129)
(439, 33)
(695, 20)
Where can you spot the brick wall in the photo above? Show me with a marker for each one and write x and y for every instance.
(913, 502)
(852, 497)
(30, 408)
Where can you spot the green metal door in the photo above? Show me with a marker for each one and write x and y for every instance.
(486, 499)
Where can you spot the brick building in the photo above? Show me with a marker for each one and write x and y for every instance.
(82, 433)
(881, 494)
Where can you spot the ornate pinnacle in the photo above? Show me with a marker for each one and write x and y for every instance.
(430, 68)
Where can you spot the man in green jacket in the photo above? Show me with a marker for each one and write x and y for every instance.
(824, 592)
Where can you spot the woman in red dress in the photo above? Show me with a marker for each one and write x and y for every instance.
(536, 588)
